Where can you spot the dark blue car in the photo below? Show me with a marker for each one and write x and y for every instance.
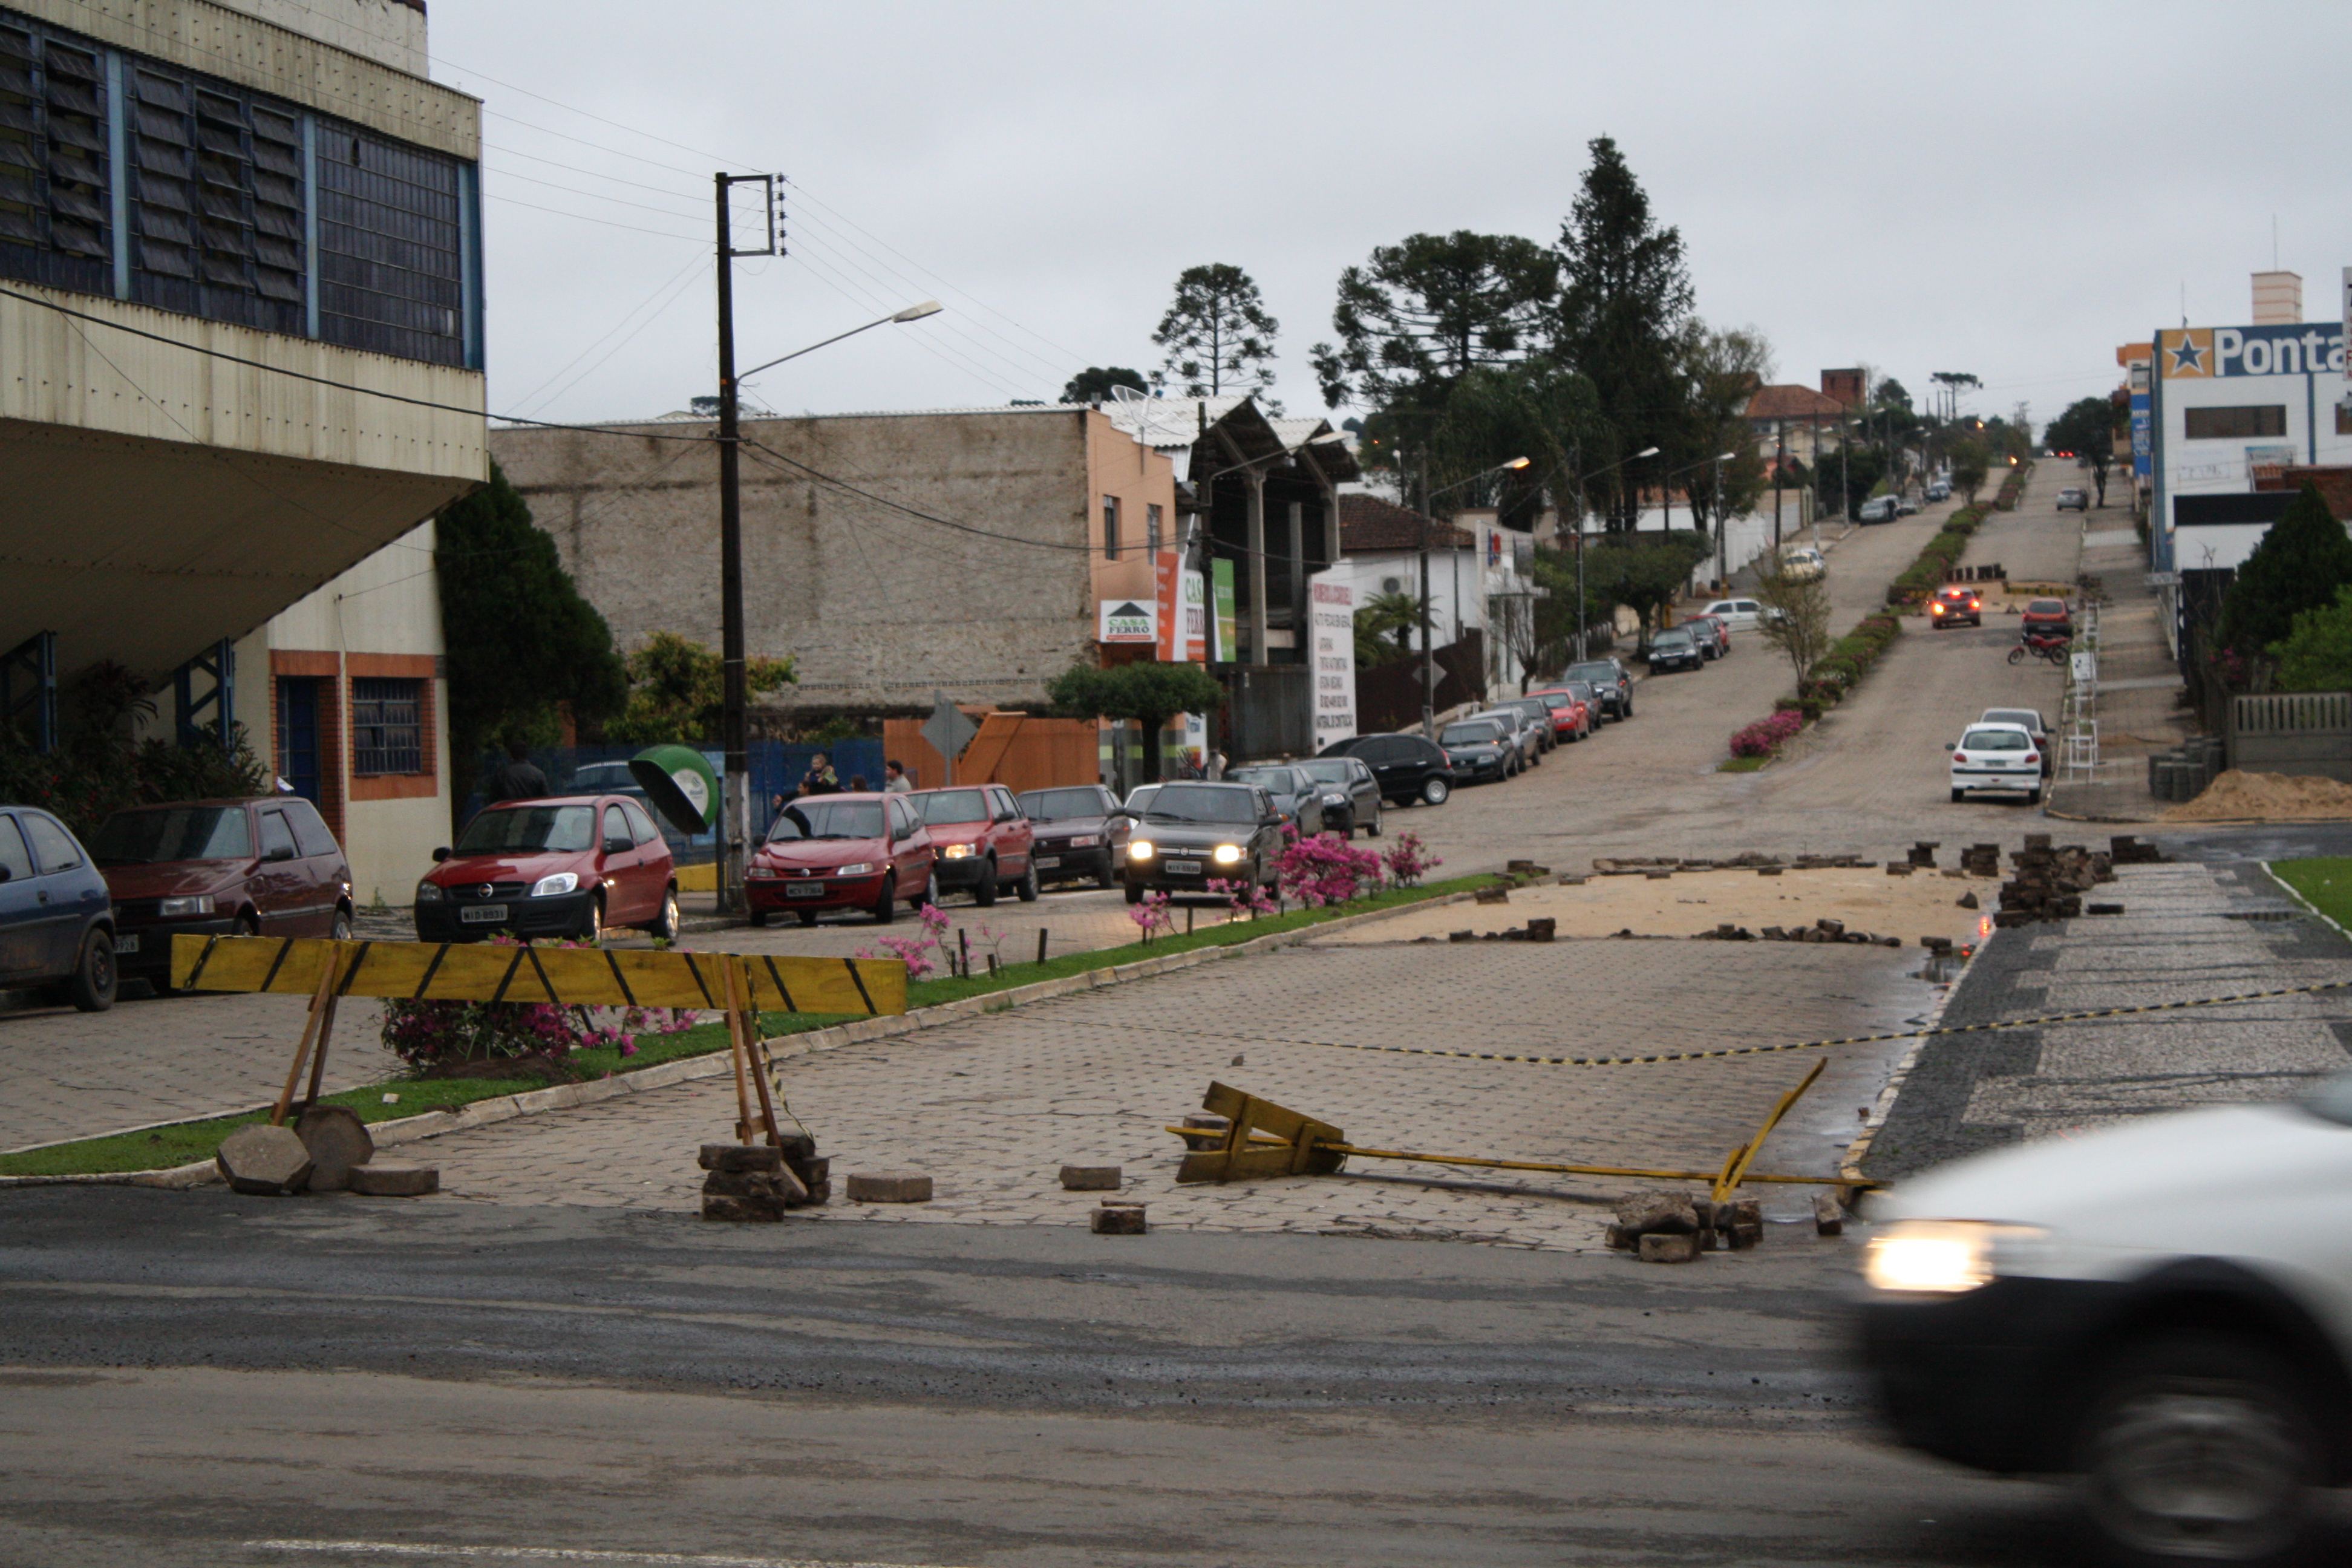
(57, 925)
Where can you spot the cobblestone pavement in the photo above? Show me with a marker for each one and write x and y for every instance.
(2188, 930)
(991, 1109)
(66, 1075)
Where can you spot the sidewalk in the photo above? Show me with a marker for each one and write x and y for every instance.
(2136, 707)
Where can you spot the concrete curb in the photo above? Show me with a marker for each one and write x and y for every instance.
(717, 1064)
(1850, 1168)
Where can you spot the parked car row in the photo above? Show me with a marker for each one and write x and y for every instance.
(76, 922)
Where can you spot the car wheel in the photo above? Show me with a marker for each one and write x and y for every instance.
(92, 986)
(2198, 1446)
(1106, 874)
(2035, 798)
(665, 924)
(341, 930)
(1958, 796)
(246, 924)
(1627, 711)
(1435, 791)
(758, 917)
(983, 893)
(1372, 828)
(1135, 892)
(1026, 888)
(886, 907)
(592, 925)
(808, 917)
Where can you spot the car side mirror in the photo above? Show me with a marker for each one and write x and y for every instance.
(441, 854)
(1951, 747)
(1274, 821)
(5, 873)
(1122, 811)
(279, 852)
(619, 846)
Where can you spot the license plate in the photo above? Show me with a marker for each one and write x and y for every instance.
(127, 942)
(1185, 868)
(805, 889)
(482, 915)
(1047, 862)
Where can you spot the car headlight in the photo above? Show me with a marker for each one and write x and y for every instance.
(195, 904)
(958, 852)
(430, 893)
(759, 873)
(1334, 800)
(1942, 1258)
(553, 886)
(862, 869)
(1228, 855)
(1084, 841)
(1140, 849)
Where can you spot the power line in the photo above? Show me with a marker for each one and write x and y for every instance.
(678, 281)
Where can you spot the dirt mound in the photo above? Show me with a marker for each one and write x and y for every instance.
(2275, 797)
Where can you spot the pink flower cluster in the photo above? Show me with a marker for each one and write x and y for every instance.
(1408, 859)
(1767, 736)
(1152, 915)
(1245, 897)
(915, 951)
(1326, 869)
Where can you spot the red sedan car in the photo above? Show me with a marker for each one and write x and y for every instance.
(1573, 709)
(983, 839)
(218, 868)
(564, 866)
(865, 851)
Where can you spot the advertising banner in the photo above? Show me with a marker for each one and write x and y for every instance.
(1127, 621)
(1332, 607)
(1164, 574)
(2289, 348)
(1194, 596)
(2143, 422)
(1227, 652)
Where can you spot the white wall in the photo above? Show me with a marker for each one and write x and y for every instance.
(1454, 584)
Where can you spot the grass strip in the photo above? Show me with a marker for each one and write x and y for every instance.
(184, 1142)
(2325, 881)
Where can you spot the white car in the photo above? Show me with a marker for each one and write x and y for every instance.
(2162, 1308)
(1997, 759)
(1802, 562)
(1737, 614)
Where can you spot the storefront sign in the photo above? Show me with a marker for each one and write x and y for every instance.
(2289, 348)
(1195, 597)
(2143, 422)
(1332, 609)
(1170, 626)
(1128, 621)
(1226, 651)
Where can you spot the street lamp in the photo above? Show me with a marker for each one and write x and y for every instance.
(1428, 640)
(735, 810)
(1581, 612)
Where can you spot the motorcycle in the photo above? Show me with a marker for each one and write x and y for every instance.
(2052, 647)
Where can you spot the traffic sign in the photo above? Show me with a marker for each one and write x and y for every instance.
(948, 729)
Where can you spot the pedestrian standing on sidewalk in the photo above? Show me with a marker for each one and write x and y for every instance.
(516, 778)
(895, 779)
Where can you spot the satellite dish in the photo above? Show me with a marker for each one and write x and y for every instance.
(679, 782)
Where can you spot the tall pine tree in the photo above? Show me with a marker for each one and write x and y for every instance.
(2298, 566)
(1216, 334)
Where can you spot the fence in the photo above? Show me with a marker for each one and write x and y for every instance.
(1015, 750)
(776, 769)
(2307, 733)
(1389, 696)
(1269, 710)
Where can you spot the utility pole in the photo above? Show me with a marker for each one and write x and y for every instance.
(735, 795)
(1722, 572)
(1779, 457)
(1428, 651)
(1576, 500)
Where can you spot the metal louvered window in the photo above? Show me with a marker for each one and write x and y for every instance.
(390, 265)
(55, 194)
(387, 726)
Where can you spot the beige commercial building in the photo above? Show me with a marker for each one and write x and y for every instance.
(241, 328)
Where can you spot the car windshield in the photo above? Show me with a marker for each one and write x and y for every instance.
(1330, 772)
(1281, 781)
(1054, 804)
(1996, 741)
(1599, 674)
(1139, 800)
(2012, 716)
(2046, 607)
(950, 807)
(1674, 638)
(568, 829)
(173, 833)
(1202, 803)
(1471, 734)
(1579, 691)
(818, 817)
(1956, 593)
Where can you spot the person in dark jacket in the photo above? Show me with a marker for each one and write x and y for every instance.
(820, 779)
(517, 779)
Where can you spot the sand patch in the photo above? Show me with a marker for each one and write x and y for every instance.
(2272, 797)
(1922, 904)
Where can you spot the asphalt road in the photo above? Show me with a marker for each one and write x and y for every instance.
(200, 1379)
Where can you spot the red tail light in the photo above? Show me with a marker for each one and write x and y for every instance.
(1960, 756)
(2032, 756)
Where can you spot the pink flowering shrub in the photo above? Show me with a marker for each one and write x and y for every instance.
(915, 951)
(1243, 896)
(1326, 869)
(1152, 915)
(428, 1035)
(1767, 736)
(1409, 859)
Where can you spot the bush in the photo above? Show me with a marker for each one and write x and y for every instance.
(1767, 736)
(1326, 869)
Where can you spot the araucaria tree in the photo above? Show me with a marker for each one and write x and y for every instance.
(1624, 303)
(1420, 315)
(1216, 334)
(1094, 384)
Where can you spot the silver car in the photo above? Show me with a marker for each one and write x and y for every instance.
(1351, 795)
(1524, 730)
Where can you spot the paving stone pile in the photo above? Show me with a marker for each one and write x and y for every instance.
(758, 1182)
(1823, 930)
(2049, 883)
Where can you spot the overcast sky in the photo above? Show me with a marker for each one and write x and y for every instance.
(2006, 190)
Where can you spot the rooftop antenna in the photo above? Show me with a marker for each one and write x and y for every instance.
(2274, 266)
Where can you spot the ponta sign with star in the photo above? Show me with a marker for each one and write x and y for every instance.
(2290, 348)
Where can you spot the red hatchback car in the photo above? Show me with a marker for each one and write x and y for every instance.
(566, 866)
(218, 868)
(841, 852)
(983, 839)
(1572, 715)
